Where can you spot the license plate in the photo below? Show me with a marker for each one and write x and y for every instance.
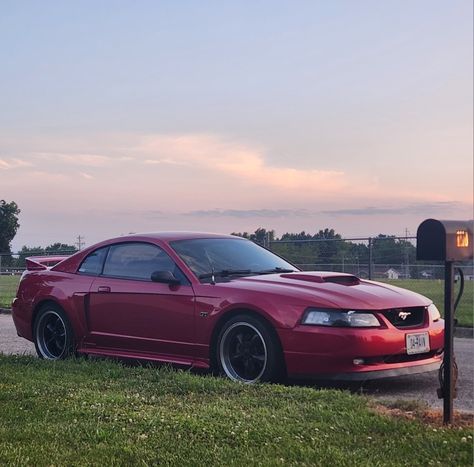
(418, 343)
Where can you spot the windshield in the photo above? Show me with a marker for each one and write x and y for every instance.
(225, 257)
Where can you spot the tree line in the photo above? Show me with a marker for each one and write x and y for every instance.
(328, 248)
(9, 224)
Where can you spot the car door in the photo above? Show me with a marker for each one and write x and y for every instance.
(128, 313)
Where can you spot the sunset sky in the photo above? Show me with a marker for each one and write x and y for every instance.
(132, 116)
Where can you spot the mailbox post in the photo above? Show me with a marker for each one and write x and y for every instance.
(447, 241)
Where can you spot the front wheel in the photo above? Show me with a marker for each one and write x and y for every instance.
(52, 333)
(248, 350)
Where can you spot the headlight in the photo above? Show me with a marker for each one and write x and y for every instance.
(434, 313)
(337, 318)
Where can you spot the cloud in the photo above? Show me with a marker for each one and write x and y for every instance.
(246, 163)
(219, 160)
(417, 208)
(164, 161)
(249, 213)
(195, 172)
(8, 164)
(85, 160)
(42, 177)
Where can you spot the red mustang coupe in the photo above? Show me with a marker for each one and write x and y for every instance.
(223, 302)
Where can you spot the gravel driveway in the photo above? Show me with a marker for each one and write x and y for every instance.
(10, 343)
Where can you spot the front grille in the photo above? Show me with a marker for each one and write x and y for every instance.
(406, 317)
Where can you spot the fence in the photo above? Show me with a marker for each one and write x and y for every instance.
(366, 257)
(14, 263)
(382, 257)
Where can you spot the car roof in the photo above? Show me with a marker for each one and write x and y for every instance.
(72, 262)
(172, 236)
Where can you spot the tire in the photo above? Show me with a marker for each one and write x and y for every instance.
(248, 351)
(52, 333)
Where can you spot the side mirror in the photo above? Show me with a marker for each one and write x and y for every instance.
(164, 277)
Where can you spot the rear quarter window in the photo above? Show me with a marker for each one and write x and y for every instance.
(93, 262)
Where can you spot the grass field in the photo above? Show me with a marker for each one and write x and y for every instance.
(80, 412)
(8, 286)
(433, 289)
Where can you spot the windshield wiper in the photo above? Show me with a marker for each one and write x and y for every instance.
(275, 271)
(240, 272)
(225, 273)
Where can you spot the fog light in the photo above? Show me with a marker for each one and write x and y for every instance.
(358, 361)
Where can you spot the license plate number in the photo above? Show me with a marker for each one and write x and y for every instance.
(418, 343)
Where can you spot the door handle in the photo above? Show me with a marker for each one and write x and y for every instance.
(103, 289)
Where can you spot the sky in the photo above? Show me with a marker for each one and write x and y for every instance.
(125, 116)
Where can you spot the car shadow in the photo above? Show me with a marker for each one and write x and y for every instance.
(400, 386)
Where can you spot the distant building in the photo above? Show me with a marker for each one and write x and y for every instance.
(392, 274)
(426, 274)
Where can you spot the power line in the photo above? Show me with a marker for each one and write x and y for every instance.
(80, 242)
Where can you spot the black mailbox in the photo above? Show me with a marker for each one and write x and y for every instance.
(444, 240)
(447, 241)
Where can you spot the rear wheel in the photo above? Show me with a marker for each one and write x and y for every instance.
(248, 350)
(52, 333)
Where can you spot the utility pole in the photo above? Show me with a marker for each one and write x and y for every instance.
(407, 266)
(370, 257)
(80, 242)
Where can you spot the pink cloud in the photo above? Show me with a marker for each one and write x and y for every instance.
(8, 164)
(248, 164)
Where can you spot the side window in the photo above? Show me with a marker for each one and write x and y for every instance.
(139, 261)
(93, 262)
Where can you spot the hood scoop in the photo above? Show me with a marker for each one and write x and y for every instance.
(321, 277)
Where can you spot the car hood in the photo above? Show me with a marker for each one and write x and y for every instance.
(339, 290)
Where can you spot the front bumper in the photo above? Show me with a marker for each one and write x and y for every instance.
(374, 374)
(357, 354)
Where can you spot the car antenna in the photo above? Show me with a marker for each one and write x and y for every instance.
(213, 277)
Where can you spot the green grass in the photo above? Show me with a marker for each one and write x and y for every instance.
(434, 289)
(8, 286)
(81, 412)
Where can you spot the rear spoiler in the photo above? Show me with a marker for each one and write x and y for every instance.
(39, 263)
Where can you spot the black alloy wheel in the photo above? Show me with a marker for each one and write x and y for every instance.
(248, 351)
(52, 333)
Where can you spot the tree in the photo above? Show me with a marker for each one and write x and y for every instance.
(260, 236)
(241, 234)
(332, 250)
(305, 254)
(8, 226)
(53, 249)
(60, 248)
(25, 252)
(391, 250)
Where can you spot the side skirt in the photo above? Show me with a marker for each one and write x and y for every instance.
(98, 352)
